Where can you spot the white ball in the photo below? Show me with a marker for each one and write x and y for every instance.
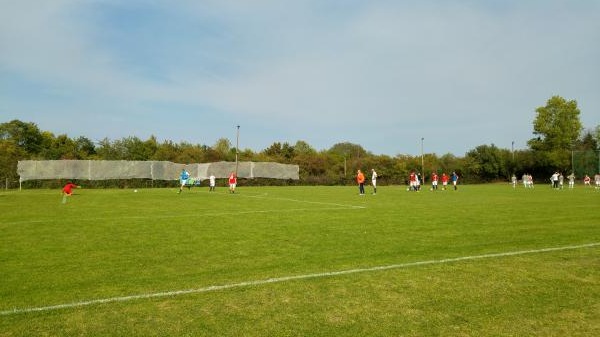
(134, 191)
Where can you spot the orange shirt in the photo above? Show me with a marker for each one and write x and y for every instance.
(360, 178)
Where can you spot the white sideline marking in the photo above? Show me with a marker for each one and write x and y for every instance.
(284, 279)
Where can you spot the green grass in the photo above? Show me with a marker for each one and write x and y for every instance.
(106, 244)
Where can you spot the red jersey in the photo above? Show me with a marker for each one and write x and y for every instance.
(413, 177)
(68, 189)
(232, 179)
(444, 178)
(434, 177)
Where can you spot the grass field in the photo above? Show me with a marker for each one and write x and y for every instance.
(485, 260)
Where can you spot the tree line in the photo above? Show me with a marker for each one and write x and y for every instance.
(558, 137)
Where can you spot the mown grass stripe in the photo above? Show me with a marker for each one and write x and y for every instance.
(190, 215)
(288, 278)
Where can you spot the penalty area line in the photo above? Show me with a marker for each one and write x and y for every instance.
(287, 278)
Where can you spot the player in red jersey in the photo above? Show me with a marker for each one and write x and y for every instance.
(232, 182)
(434, 181)
(444, 181)
(412, 180)
(67, 191)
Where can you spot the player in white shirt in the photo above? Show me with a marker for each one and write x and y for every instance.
(374, 181)
(211, 180)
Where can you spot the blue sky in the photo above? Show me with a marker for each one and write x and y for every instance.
(382, 74)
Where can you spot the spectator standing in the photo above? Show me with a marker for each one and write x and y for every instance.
(360, 179)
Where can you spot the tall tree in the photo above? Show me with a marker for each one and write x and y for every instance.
(167, 150)
(27, 136)
(62, 147)
(588, 141)
(596, 134)
(275, 151)
(10, 154)
(136, 149)
(486, 162)
(302, 147)
(557, 126)
(106, 150)
(222, 148)
(84, 147)
(348, 149)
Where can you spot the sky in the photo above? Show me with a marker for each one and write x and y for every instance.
(393, 76)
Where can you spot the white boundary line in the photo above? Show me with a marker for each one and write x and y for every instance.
(285, 279)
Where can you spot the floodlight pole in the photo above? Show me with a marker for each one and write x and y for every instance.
(237, 144)
(422, 163)
(512, 150)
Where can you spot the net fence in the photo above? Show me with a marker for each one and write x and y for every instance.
(155, 170)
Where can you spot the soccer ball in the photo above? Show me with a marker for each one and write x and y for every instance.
(134, 191)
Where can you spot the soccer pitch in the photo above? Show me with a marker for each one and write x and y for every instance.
(301, 261)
